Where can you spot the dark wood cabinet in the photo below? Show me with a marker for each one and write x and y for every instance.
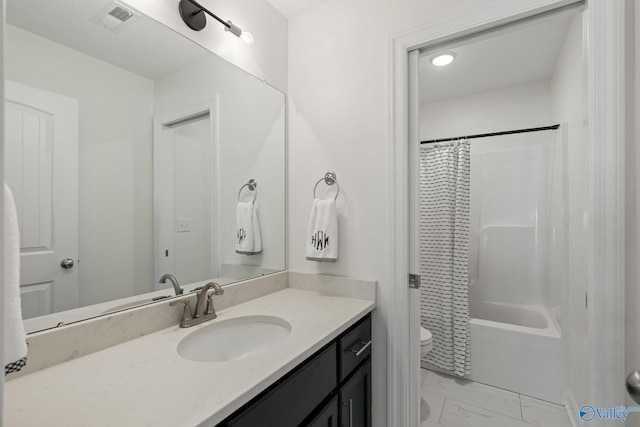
(355, 399)
(332, 388)
(295, 397)
(354, 347)
(328, 416)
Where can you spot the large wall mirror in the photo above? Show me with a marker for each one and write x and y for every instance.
(128, 150)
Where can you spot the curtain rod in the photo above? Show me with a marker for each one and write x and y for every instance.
(484, 135)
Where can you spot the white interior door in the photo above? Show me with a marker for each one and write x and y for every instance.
(185, 196)
(41, 168)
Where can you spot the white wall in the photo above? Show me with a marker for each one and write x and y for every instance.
(114, 173)
(266, 58)
(515, 107)
(338, 120)
(251, 135)
(568, 88)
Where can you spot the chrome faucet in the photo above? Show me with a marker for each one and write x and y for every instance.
(202, 312)
(176, 286)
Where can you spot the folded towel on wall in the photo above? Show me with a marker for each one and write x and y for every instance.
(248, 240)
(322, 234)
(15, 339)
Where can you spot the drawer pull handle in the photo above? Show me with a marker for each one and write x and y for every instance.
(365, 345)
(350, 406)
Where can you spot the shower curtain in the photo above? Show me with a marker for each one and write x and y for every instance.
(444, 253)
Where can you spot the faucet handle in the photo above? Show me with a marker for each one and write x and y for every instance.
(210, 310)
(187, 317)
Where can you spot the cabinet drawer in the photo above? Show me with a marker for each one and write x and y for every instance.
(355, 347)
(289, 403)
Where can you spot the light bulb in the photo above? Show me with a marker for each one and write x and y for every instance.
(247, 37)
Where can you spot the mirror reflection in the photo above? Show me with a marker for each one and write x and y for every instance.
(127, 146)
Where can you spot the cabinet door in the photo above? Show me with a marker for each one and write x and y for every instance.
(355, 399)
(292, 400)
(328, 417)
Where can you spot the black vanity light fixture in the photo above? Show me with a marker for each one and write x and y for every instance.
(193, 14)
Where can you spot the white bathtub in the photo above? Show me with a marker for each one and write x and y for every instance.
(517, 348)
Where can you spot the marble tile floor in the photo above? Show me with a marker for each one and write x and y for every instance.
(453, 402)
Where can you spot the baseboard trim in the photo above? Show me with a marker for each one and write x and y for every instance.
(572, 409)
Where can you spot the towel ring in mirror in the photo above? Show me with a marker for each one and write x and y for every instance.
(253, 186)
(329, 178)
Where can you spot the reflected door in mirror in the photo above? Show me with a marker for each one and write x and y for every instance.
(186, 196)
(42, 172)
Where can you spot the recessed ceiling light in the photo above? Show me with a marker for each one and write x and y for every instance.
(442, 59)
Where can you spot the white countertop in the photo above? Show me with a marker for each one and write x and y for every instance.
(144, 382)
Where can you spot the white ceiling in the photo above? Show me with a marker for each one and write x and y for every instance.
(290, 8)
(145, 47)
(512, 56)
(508, 57)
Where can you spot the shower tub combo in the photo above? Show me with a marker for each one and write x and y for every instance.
(517, 238)
(515, 266)
(517, 348)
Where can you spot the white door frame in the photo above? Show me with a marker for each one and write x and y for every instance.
(606, 87)
(2, 213)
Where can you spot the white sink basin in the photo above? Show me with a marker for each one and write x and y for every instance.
(232, 339)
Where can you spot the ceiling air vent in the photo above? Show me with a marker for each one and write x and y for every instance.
(120, 14)
(114, 17)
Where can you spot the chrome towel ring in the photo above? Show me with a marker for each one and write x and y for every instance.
(329, 178)
(252, 185)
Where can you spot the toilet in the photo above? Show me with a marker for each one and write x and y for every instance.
(425, 341)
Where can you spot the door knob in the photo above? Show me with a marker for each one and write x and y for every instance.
(66, 263)
(633, 385)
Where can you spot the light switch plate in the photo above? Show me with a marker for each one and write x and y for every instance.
(184, 225)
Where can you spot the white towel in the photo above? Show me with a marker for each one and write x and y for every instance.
(15, 339)
(322, 235)
(248, 240)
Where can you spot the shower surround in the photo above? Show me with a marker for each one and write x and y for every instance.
(515, 265)
(517, 235)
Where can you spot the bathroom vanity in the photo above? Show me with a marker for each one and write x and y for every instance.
(318, 374)
(332, 387)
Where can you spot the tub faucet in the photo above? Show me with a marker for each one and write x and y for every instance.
(176, 286)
